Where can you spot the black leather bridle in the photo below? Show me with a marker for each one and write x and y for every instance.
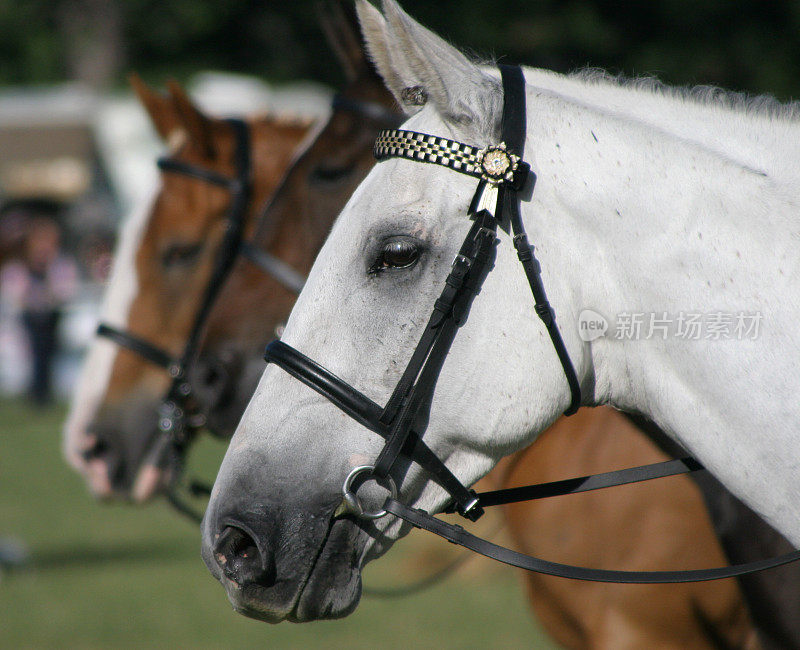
(403, 420)
(179, 415)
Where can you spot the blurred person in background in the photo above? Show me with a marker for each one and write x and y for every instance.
(36, 286)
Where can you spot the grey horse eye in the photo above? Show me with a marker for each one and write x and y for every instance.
(396, 253)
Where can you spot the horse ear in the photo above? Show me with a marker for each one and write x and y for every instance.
(197, 125)
(389, 62)
(158, 107)
(340, 26)
(404, 51)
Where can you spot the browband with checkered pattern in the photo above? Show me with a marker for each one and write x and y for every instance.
(494, 164)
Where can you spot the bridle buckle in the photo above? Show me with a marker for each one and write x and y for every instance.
(472, 510)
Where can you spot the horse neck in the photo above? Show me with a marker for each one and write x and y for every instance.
(629, 219)
(753, 138)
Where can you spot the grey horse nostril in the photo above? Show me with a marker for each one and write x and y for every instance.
(240, 558)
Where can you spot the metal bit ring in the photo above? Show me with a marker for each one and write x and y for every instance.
(351, 504)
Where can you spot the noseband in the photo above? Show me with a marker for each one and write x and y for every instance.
(502, 175)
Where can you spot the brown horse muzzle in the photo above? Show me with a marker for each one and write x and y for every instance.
(130, 458)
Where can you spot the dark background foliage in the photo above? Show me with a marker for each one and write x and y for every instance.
(751, 45)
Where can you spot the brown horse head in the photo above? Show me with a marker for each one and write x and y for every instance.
(164, 264)
(299, 215)
(303, 209)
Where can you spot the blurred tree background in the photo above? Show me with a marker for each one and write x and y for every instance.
(751, 45)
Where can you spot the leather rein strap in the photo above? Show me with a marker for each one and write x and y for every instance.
(402, 421)
(457, 535)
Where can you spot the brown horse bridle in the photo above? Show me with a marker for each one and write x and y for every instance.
(179, 415)
(403, 420)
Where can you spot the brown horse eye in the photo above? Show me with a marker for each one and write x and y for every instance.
(330, 174)
(397, 254)
(180, 254)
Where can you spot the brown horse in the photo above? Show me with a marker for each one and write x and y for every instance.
(636, 527)
(163, 266)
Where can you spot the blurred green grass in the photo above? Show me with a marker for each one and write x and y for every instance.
(118, 576)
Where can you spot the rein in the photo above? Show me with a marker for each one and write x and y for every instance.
(502, 175)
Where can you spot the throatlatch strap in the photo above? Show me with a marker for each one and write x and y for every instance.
(514, 129)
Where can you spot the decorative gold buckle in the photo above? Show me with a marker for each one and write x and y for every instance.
(497, 164)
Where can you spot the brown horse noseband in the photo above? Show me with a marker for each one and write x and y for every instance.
(403, 420)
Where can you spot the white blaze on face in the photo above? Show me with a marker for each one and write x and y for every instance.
(96, 371)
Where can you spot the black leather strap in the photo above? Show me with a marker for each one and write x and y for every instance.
(441, 310)
(514, 123)
(274, 267)
(588, 483)
(135, 344)
(193, 171)
(543, 308)
(514, 128)
(462, 285)
(179, 415)
(457, 535)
